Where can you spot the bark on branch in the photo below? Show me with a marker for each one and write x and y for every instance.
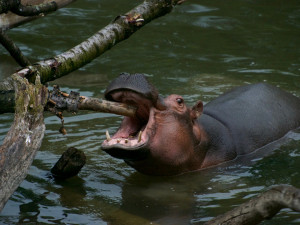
(34, 10)
(60, 101)
(18, 8)
(263, 207)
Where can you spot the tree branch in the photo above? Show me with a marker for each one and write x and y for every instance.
(10, 20)
(60, 101)
(120, 29)
(13, 50)
(18, 8)
(34, 10)
(263, 207)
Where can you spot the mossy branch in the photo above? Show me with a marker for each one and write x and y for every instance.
(120, 29)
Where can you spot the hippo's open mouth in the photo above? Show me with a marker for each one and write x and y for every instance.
(131, 140)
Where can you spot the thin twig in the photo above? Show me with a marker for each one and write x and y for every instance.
(13, 49)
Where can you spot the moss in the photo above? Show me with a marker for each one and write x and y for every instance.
(27, 96)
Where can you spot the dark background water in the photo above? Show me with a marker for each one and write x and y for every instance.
(199, 51)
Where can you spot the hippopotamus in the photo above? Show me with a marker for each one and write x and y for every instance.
(166, 137)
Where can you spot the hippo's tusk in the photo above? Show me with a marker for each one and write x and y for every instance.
(140, 136)
(107, 136)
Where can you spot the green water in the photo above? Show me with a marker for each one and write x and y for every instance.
(199, 51)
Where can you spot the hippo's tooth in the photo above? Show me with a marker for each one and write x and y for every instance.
(118, 140)
(126, 141)
(107, 136)
(140, 136)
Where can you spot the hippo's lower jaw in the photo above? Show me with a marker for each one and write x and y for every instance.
(128, 148)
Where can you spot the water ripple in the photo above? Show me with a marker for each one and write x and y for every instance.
(217, 22)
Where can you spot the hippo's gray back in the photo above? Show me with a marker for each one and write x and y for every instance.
(255, 115)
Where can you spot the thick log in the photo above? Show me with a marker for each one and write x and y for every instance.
(10, 20)
(262, 207)
(24, 137)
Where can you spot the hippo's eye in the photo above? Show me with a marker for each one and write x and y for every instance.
(179, 101)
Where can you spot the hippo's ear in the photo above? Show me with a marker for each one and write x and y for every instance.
(197, 110)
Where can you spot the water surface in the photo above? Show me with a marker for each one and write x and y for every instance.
(200, 50)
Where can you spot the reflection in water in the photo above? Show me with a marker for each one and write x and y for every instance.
(198, 51)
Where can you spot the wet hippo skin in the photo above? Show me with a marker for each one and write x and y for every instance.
(166, 137)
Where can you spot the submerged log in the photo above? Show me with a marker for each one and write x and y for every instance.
(69, 164)
(24, 137)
